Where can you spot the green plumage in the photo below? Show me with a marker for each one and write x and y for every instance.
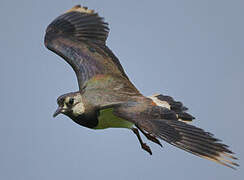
(107, 119)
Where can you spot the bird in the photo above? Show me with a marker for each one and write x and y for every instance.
(108, 99)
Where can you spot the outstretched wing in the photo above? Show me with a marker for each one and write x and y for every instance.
(79, 36)
(163, 123)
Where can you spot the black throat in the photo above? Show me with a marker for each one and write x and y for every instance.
(87, 120)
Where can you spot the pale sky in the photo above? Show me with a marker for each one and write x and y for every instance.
(191, 50)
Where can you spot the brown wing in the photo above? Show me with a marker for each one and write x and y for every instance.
(163, 123)
(79, 36)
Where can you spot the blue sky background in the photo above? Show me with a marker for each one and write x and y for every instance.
(191, 50)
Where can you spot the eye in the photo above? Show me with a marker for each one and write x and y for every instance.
(71, 101)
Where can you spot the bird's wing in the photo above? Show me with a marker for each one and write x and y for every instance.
(162, 123)
(79, 36)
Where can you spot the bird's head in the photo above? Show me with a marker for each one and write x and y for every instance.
(70, 104)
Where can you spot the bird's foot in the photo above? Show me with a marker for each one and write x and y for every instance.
(153, 139)
(143, 145)
(146, 148)
(150, 137)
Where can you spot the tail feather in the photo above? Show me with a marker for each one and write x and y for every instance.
(194, 140)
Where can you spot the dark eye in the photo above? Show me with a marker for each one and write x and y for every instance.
(71, 101)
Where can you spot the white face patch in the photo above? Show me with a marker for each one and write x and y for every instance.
(78, 107)
(159, 102)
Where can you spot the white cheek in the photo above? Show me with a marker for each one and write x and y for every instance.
(65, 106)
(78, 109)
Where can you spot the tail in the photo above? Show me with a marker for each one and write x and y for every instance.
(176, 106)
(193, 140)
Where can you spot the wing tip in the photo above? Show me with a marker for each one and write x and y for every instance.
(80, 23)
(82, 9)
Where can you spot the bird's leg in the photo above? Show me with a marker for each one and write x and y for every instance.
(143, 145)
(150, 137)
